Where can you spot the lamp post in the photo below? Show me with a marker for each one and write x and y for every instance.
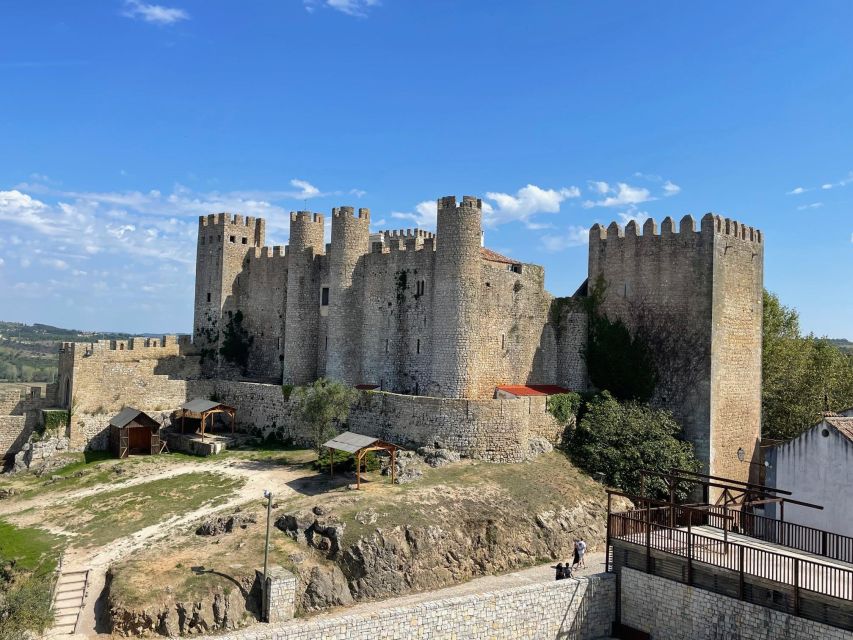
(265, 607)
(741, 455)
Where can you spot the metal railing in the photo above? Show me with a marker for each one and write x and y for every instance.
(789, 534)
(751, 567)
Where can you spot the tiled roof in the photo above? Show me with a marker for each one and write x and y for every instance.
(532, 389)
(494, 256)
(844, 425)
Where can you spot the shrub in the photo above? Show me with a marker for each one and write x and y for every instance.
(564, 406)
(619, 439)
(346, 461)
(323, 405)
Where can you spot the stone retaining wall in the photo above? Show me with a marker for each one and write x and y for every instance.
(578, 609)
(670, 610)
(13, 434)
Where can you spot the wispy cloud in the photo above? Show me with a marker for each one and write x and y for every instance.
(574, 236)
(813, 205)
(796, 191)
(358, 8)
(617, 196)
(424, 215)
(826, 186)
(670, 188)
(154, 13)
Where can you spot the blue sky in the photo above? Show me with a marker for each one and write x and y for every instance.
(121, 122)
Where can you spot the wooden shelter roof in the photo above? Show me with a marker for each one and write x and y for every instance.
(129, 414)
(350, 442)
(200, 405)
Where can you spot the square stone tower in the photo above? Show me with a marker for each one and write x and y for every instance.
(705, 287)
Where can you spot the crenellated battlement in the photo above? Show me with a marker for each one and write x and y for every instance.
(277, 251)
(363, 213)
(222, 219)
(710, 225)
(408, 233)
(468, 202)
(306, 216)
(147, 347)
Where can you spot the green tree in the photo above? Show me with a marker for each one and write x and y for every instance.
(801, 374)
(618, 439)
(323, 405)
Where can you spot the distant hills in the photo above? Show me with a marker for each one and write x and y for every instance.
(845, 345)
(29, 352)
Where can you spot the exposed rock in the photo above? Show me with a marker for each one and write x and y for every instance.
(222, 524)
(538, 445)
(326, 587)
(408, 467)
(438, 456)
(368, 516)
(324, 533)
(7, 493)
(320, 510)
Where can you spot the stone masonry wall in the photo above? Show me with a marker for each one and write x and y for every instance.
(580, 609)
(13, 434)
(669, 610)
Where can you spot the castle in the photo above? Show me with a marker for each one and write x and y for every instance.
(434, 325)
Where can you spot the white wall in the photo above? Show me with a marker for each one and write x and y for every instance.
(817, 468)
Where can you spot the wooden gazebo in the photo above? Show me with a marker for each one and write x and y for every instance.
(201, 409)
(358, 445)
(134, 432)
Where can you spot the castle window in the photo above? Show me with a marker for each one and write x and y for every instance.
(208, 296)
(202, 239)
(245, 241)
(278, 343)
(326, 343)
(418, 346)
(386, 345)
(232, 239)
(515, 268)
(324, 297)
(503, 341)
(420, 287)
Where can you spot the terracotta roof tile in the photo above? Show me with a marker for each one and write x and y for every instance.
(532, 389)
(494, 256)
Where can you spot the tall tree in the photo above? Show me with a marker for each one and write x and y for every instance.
(323, 405)
(802, 375)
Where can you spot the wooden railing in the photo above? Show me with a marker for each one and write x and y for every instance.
(649, 529)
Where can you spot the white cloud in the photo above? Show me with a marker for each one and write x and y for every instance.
(307, 190)
(670, 188)
(55, 263)
(632, 214)
(424, 217)
(796, 191)
(2, 262)
(575, 236)
(813, 205)
(619, 196)
(358, 193)
(154, 13)
(356, 8)
(826, 186)
(526, 202)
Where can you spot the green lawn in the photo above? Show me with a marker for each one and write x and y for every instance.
(104, 517)
(31, 549)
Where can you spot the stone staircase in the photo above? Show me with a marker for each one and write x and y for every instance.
(68, 601)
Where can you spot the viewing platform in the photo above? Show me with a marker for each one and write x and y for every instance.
(727, 549)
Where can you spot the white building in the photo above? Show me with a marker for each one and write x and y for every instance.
(817, 467)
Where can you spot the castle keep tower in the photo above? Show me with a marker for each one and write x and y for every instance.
(350, 243)
(457, 279)
(223, 242)
(701, 292)
(303, 297)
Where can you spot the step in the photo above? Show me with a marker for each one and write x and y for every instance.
(67, 601)
(77, 584)
(65, 619)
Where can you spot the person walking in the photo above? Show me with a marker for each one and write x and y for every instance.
(576, 558)
(581, 550)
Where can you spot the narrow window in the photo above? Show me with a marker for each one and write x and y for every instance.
(326, 343)
(232, 239)
(386, 345)
(418, 347)
(202, 239)
(503, 341)
(278, 343)
(324, 297)
(121, 347)
(245, 241)
(208, 296)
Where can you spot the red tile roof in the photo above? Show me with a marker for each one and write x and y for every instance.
(494, 256)
(532, 389)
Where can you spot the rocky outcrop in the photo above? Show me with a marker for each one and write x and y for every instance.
(400, 559)
(219, 610)
(321, 532)
(222, 524)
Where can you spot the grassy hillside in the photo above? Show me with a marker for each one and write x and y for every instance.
(28, 353)
(845, 345)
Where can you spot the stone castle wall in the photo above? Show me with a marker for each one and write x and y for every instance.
(577, 609)
(671, 610)
(20, 414)
(13, 434)
(704, 289)
(413, 314)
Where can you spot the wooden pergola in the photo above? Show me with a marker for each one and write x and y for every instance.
(201, 409)
(358, 445)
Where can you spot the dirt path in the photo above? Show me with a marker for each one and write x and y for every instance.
(256, 476)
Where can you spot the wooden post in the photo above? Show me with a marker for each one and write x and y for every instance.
(393, 465)
(607, 537)
(358, 470)
(689, 550)
(182, 422)
(796, 586)
(233, 416)
(331, 462)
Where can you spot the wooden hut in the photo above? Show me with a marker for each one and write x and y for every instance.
(134, 432)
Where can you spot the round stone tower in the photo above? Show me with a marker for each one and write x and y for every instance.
(301, 318)
(350, 243)
(458, 275)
